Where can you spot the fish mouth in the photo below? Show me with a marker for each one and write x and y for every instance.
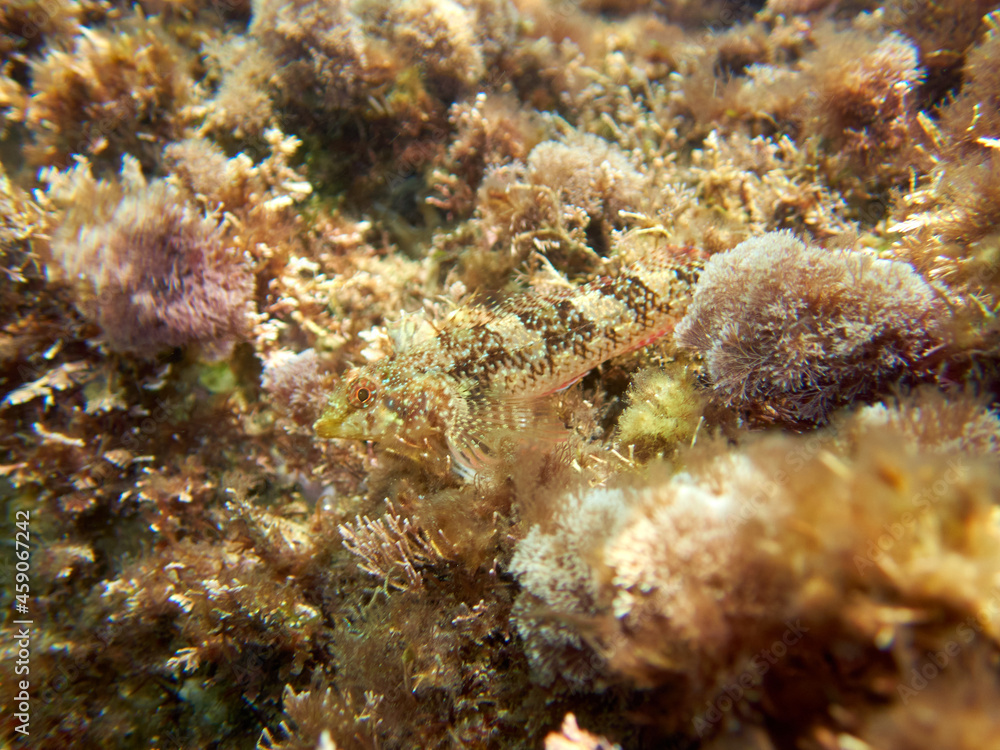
(329, 425)
(335, 423)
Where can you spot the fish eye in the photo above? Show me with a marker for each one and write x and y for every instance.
(363, 393)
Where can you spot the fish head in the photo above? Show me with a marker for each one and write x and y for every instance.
(358, 409)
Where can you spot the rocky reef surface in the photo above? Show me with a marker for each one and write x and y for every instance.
(776, 526)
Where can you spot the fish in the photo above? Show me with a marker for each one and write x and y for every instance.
(488, 371)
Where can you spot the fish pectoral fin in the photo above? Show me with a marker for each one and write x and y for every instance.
(469, 457)
(492, 420)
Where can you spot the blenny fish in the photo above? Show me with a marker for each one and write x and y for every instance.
(486, 372)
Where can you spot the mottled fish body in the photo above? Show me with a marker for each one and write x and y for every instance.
(484, 373)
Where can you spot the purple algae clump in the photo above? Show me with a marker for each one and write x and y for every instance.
(154, 273)
(789, 331)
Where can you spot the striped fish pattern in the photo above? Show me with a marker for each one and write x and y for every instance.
(485, 374)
